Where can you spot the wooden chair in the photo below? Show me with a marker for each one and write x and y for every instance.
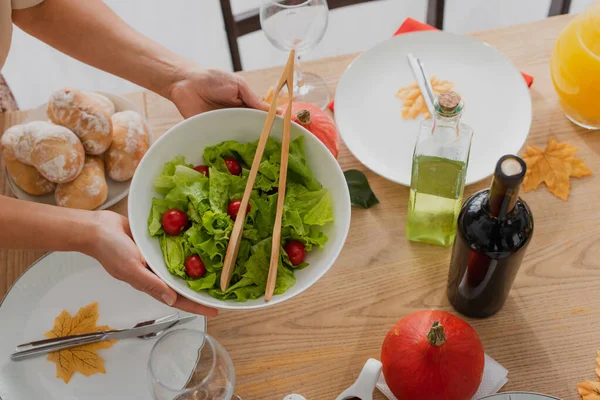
(249, 21)
(559, 7)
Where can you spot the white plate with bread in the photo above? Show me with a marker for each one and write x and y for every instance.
(79, 151)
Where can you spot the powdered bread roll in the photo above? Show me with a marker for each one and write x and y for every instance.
(53, 150)
(83, 115)
(130, 143)
(25, 176)
(88, 191)
(103, 101)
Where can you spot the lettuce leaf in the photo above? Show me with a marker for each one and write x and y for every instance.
(174, 254)
(159, 207)
(206, 282)
(164, 182)
(298, 169)
(219, 190)
(313, 207)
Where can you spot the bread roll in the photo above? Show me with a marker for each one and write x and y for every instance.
(88, 191)
(83, 115)
(130, 143)
(53, 150)
(25, 176)
(107, 105)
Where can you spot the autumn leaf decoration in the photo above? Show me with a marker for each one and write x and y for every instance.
(590, 390)
(553, 166)
(83, 359)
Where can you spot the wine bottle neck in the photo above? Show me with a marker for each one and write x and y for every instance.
(502, 199)
(504, 192)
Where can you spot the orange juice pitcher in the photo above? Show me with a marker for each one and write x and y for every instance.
(575, 68)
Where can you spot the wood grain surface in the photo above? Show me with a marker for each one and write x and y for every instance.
(316, 344)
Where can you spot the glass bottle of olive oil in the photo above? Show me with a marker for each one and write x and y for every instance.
(439, 171)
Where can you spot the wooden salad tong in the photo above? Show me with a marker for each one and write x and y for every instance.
(286, 79)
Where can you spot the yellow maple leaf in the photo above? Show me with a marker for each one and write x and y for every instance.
(83, 359)
(554, 166)
(598, 365)
(589, 390)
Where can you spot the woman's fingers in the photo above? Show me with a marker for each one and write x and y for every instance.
(143, 280)
(189, 306)
(250, 98)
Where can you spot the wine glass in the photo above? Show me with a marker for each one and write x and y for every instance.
(298, 25)
(187, 364)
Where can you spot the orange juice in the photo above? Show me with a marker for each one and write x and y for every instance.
(575, 68)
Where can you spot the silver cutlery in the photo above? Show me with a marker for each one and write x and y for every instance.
(49, 345)
(169, 317)
(422, 79)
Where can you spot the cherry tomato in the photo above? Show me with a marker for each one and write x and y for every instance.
(295, 251)
(194, 266)
(203, 169)
(233, 166)
(234, 208)
(174, 221)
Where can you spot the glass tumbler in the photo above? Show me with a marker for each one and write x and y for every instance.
(188, 364)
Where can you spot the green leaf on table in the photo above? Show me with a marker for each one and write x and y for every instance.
(361, 194)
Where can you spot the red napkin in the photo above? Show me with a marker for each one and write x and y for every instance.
(412, 25)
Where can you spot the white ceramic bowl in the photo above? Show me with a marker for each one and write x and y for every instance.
(189, 138)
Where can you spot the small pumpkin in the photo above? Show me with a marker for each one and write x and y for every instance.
(432, 355)
(317, 122)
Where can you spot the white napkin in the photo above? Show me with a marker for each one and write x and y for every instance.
(494, 377)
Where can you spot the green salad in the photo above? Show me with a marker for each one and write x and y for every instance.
(194, 216)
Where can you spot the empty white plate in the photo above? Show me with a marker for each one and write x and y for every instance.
(519, 396)
(70, 281)
(116, 190)
(369, 116)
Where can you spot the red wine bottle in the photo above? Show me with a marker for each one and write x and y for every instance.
(494, 228)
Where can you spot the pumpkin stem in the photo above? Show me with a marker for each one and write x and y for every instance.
(436, 336)
(303, 117)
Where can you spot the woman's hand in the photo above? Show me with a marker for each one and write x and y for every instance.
(204, 90)
(111, 244)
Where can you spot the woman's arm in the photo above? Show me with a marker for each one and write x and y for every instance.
(34, 226)
(103, 235)
(92, 33)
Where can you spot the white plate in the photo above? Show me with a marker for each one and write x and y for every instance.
(519, 396)
(70, 281)
(116, 190)
(368, 115)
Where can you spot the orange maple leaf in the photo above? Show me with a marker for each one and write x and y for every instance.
(553, 166)
(598, 365)
(589, 390)
(83, 359)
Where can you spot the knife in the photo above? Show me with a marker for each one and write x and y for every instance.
(423, 81)
(49, 345)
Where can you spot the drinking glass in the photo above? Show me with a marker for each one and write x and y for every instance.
(186, 364)
(575, 68)
(298, 25)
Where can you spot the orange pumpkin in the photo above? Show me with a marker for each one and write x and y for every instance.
(317, 122)
(432, 355)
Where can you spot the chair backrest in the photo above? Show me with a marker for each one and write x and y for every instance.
(249, 21)
(559, 7)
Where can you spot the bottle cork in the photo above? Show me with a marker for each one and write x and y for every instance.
(448, 101)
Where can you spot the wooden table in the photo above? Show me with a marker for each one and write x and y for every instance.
(316, 344)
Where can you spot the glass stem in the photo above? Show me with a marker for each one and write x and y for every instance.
(298, 76)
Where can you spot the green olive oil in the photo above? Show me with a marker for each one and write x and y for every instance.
(435, 199)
